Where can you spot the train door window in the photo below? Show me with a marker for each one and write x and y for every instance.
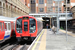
(0, 26)
(5, 26)
(9, 26)
(32, 25)
(19, 25)
(25, 26)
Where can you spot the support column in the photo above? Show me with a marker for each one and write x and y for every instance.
(11, 10)
(62, 7)
(36, 6)
(45, 6)
(53, 6)
(0, 8)
(50, 22)
(28, 3)
(5, 8)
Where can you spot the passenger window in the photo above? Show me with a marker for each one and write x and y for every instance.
(5, 26)
(0, 26)
(32, 25)
(8, 26)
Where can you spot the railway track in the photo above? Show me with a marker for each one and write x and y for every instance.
(16, 46)
(1, 48)
(13, 47)
(19, 47)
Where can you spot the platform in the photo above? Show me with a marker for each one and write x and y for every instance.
(47, 40)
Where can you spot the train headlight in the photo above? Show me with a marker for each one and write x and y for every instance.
(18, 31)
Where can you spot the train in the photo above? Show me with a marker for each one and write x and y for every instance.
(27, 27)
(7, 28)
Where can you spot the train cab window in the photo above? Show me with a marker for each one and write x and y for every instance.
(0, 26)
(5, 26)
(32, 25)
(19, 25)
(9, 26)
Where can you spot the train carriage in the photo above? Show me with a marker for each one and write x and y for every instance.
(6, 28)
(27, 27)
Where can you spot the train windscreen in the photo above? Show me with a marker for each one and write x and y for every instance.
(25, 26)
(19, 25)
(32, 25)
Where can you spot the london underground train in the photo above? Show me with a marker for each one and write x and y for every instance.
(6, 28)
(27, 27)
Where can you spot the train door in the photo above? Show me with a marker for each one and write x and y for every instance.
(12, 28)
(2, 31)
(25, 28)
(7, 30)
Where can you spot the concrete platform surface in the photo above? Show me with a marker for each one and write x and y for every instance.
(51, 41)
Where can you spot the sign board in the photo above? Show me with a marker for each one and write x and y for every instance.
(58, 0)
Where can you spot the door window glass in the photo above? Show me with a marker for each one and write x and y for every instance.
(9, 26)
(25, 26)
(0, 26)
(5, 26)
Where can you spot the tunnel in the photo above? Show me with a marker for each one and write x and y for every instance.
(49, 21)
(46, 21)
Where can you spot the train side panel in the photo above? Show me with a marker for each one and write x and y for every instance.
(5, 30)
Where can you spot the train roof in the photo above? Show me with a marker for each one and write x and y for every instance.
(29, 16)
(25, 16)
(3, 18)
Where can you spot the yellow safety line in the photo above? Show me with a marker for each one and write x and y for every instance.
(67, 33)
(37, 40)
(43, 41)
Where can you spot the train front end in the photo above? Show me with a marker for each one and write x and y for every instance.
(26, 28)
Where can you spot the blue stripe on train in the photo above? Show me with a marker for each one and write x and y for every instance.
(6, 36)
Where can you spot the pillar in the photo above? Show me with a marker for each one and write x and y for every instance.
(0, 8)
(50, 22)
(62, 7)
(53, 6)
(45, 6)
(36, 6)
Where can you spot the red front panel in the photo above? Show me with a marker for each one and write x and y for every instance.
(25, 26)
